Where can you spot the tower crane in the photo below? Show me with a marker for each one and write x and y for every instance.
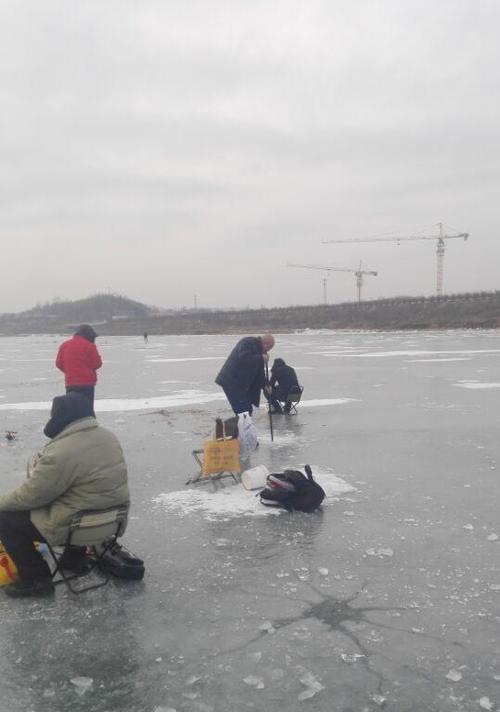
(358, 273)
(440, 248)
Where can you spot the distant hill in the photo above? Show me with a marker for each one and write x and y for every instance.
(113, 314)
(97, 308)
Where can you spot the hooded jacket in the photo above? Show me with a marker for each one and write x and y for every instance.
(82, 467)
(79, 359)
(283, 377)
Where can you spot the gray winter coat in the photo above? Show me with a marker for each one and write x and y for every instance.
(81, 468)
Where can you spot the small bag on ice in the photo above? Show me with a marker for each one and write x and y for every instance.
(292, 490)
(220, 455)
(247, 434)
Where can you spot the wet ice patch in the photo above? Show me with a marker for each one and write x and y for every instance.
(280, 439)
(235, 501)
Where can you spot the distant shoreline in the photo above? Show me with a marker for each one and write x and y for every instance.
(113, 315)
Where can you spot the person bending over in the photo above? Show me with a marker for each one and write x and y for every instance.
(242, 377)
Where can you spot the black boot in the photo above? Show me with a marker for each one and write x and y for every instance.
(36, 588)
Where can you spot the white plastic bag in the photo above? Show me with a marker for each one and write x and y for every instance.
(247, 434)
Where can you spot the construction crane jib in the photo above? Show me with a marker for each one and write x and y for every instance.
(440, 247)
(358, 273)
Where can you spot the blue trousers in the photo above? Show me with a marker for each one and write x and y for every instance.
(239, 403)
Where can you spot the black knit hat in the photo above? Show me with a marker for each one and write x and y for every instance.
(87, 332)
(65, 410)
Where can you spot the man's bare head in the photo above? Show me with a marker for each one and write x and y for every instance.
(267, 342)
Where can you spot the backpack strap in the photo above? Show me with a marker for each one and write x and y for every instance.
(309, 473)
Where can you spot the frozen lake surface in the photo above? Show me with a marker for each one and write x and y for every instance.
(387, 599)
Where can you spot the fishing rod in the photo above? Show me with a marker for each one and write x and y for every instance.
(269, 404)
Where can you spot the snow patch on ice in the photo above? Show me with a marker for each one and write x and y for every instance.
(318, 402)
(389, 354)
(109, 405)
(176, 399)
(312, 685)
(437, 360)
(190, 358)
(82, 684)
(476, 385)
(379, 552)
(235, 501)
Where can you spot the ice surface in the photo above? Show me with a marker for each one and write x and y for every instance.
(366, 605)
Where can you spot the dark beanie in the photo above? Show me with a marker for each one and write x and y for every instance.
(87, 332)
(65, 410)
(278, 363)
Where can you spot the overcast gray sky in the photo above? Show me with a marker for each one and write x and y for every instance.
(161, 149)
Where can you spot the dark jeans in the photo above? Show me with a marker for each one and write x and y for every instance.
(238, 403)
(276, 396)
(87, 391)
(17, 534)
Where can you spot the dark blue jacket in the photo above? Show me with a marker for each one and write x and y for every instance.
(242, 374)
(284, 377)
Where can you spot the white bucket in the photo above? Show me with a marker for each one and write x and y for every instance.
(255, 477)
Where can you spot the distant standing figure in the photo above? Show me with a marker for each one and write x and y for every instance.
(145, 337)
(283, 379)
(242, 377)
(79, 360)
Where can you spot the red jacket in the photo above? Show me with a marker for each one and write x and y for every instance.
(79, 360)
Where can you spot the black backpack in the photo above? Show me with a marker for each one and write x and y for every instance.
(121, 563)
(292, 490)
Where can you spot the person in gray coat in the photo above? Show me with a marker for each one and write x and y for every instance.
(82, 467)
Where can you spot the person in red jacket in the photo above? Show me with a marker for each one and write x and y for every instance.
(79, 359)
